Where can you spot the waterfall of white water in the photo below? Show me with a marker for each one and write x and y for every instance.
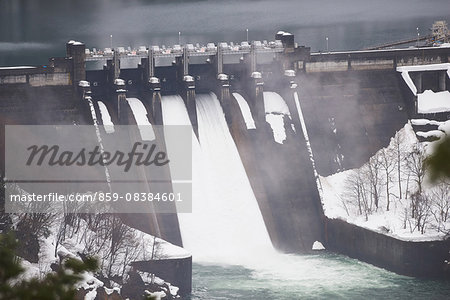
(226, 225)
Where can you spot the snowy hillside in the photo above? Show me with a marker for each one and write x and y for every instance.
(72, 236)
(391, 192)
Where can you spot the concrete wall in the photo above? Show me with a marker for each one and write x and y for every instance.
(372, 64)
(414, 60)
(351, 115)
(177, 271)
(35, 77)
(49, 79)
(13, 79)
(419, 259)
(327, 66)
(35, 80)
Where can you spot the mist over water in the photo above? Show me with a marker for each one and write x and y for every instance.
(349, 24)
(322, 276)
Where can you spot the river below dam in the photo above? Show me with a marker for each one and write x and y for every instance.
(321, 276)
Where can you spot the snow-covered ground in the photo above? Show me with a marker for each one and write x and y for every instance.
(343, 192)
(68, 241)
(83, 240)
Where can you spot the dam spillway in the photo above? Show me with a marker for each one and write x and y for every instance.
(352, 102)
(225, 213)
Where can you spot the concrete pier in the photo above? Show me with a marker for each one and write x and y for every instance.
(256, 101)
(188, 95)
(121, 100)
(442, 80)
(154, 86)
(223, 93)
(76, 51)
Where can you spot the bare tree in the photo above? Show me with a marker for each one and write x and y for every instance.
(398, 156)
(415, 164)
(373, 175)
(422, 206)
(440, 195)
(387, 164)
(356, 192)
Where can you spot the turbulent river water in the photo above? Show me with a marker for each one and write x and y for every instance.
(322, 276)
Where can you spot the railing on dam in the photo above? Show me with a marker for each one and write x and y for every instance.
(177, 50)
(375, 59)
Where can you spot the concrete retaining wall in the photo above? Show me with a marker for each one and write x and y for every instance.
(177, 271)
(419, 259)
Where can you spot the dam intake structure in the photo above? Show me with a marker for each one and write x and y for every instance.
(267, 119)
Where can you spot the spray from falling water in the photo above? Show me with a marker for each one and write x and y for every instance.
(226, 225)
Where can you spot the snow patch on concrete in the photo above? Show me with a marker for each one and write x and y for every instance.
(431, 102)
(276, 109)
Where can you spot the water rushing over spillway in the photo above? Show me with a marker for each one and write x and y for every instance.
(225, 225)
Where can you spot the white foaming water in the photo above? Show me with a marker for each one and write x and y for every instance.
(245, 110)
(99, 137)
(225, 226)
(106, 118)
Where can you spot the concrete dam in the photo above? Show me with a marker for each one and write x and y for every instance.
(268, 118)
